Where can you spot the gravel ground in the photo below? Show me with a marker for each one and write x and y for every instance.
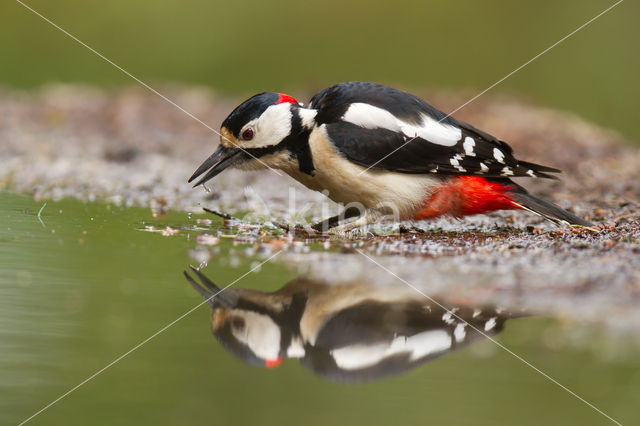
(131, 147)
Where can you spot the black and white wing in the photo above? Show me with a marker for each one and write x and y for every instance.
(382, 128)
(372, 340)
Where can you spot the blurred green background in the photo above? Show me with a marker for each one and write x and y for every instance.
(243, 47)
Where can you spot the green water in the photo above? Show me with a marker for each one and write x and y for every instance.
(88, 285)
(253, 46)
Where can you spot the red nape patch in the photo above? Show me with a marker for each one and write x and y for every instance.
(272, 363)
(282, 99)
(467, 195)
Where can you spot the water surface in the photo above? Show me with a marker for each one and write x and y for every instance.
(87, 284)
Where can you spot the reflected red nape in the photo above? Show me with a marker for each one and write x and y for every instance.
(272, 363)
(467, 195)
(285, 99)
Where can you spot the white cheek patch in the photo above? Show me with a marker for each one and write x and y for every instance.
(372, 117)
(260, 333)
(270, 128)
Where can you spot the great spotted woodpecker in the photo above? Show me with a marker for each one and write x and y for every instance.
(382, 148)
(348, 332)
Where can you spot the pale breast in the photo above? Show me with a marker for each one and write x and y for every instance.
(347, 182)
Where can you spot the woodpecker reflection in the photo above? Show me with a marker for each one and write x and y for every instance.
(346, 332)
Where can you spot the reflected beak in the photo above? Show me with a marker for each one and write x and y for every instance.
(214, 295)
(218, 161)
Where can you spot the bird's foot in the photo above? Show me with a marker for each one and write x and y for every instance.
(300, 231)
(349, 233)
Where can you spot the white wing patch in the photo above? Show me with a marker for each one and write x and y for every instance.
(455, 162)
(362, 356)
(498, 155)
(506, 171)
(459, 332)
(468, 146)
(433, 131)
(372, 117)
(448, 318)
(490, 324)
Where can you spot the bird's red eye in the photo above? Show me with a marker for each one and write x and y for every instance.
(247, 135)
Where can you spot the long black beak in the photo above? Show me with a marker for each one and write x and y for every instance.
(217, 162)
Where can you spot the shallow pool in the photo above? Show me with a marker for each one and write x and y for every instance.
(93, 300)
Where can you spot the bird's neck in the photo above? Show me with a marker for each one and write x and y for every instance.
(293, 152)
(307, 117)
(297, 143)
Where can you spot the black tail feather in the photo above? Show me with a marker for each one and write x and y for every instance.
(546, 209)
(525, 168)
(539, 168)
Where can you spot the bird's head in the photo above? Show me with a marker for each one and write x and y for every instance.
(248, 330)
(252, 336)
(256, 128)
